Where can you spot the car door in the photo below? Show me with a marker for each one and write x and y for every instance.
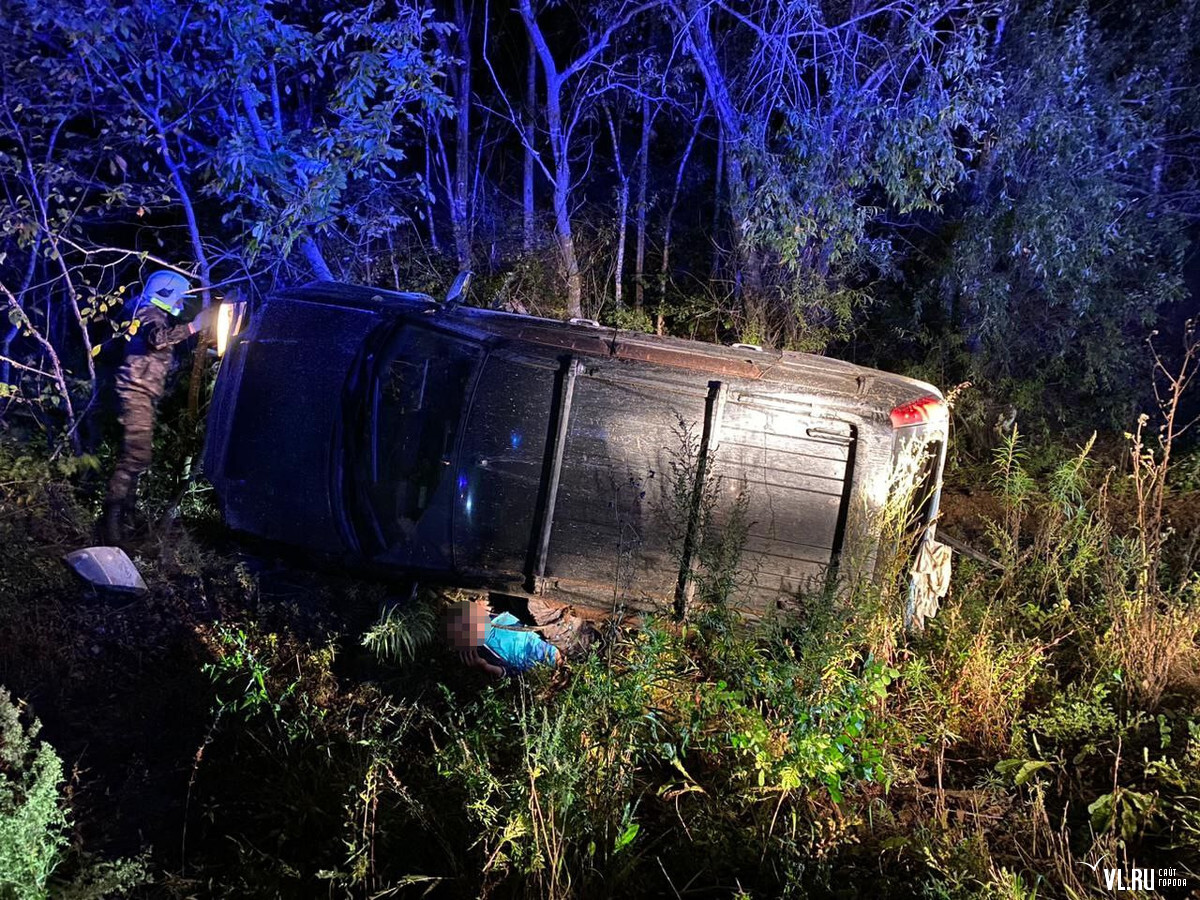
(405, 462)
(618, 513)
(503, 465)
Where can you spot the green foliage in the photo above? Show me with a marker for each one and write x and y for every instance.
(28, 476)
(293, 176)
(1070, 244)
(403, 632)
(33, 824)
(1185, 471)
(974, 679)
(822, 169)
(1124, 811)
(729, 720)
(1074, 723)
(1010, 479)
(214, 102)
(959, 880)
(35, 837)
(254, 681)
(628, 318)
(697, 511)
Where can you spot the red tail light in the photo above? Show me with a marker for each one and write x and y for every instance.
(918, 412)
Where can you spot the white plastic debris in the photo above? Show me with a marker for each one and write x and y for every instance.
(930, 582)
(107, 568)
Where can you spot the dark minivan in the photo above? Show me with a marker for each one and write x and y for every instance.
(565, 459)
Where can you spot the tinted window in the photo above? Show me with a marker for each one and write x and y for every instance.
(418, 398)
(501, 466)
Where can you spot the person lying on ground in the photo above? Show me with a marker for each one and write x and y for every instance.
(499, 645)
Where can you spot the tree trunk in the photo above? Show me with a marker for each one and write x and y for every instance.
(622, 231)
(729, 118)
(738, 201)
(189, 212)
(566, 243)
(622, 210)
(314, 257)
(643, 175)
(308, 246)
(460, 206)
(433, 235)
(560, 138)
(527, 233)
(718, 184)
(665, 268)
(562, 163)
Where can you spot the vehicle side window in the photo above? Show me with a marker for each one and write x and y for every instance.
(420, 392)
(501, 467)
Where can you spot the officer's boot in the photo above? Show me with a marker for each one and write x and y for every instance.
(131, 517)
(113, 517)
(112, 530)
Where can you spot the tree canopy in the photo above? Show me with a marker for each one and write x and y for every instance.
(1005, 192)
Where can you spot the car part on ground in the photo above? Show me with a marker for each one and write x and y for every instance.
(106, 569)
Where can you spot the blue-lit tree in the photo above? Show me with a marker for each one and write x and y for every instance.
(567, 105)
(341, 100)
(833, 120)
(1070, 238)
(963, 175)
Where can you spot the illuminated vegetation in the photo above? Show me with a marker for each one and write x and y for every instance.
(1004, 193)
(1049, 715)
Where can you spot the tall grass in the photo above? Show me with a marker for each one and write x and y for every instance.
(1047, 719)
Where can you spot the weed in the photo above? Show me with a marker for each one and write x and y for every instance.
(983, 675)
(35, 840)
(403, 632)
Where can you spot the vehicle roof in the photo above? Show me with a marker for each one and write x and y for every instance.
(782, 368)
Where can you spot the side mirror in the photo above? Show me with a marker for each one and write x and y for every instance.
(458, 290)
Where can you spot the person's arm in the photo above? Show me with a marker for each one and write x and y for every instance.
(159, 337)
(474, 660)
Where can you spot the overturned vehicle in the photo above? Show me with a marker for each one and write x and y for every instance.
(562, 459)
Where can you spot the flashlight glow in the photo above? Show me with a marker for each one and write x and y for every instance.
(224, 327)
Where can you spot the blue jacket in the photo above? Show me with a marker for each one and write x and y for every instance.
(518, 651)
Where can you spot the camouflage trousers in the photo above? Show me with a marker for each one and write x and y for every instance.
(139, 386)
(559, 624)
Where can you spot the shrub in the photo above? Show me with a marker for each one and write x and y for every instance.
(34, 825)
(569, 788)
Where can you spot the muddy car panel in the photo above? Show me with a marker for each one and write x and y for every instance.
(531, 455)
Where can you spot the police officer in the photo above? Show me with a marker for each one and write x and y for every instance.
(140, 383)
